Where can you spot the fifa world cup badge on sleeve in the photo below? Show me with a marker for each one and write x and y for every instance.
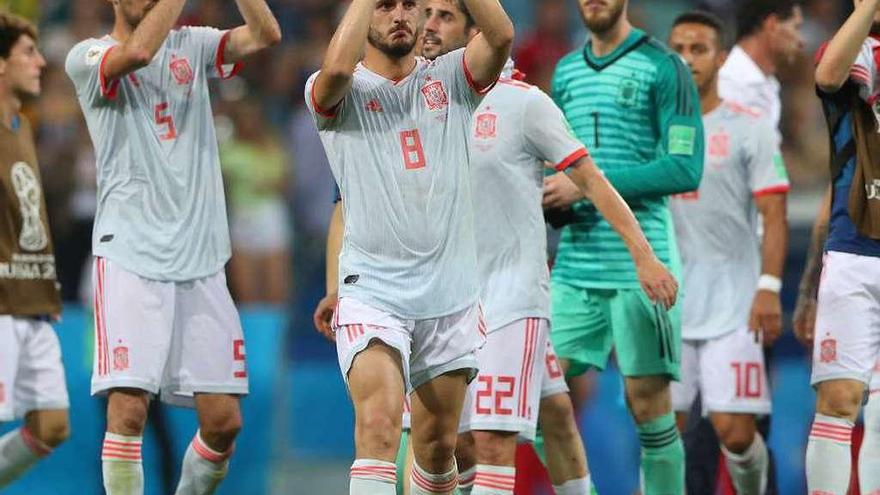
(681, 140)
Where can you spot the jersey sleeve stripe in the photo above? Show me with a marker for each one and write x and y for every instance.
(570, 159)
(221, 53)
(778, 189)
(109, 89)
(470, 77)
(326, 113)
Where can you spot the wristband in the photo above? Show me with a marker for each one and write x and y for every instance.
(770, 283)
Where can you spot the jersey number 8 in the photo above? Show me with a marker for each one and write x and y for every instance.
(411, 146)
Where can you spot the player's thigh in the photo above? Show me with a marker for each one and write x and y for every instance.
(647, 337)
(9, 355)
(357, 326)
(40, 384)
(436, 411)
(134, 320)
(208, 352)
(505, 396)
(581, 333)
(445, 344)
(847, 331)
(733, 374)
(684, 391)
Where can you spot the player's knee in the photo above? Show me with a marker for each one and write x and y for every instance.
(465, 451)
(435, 451)
(127, 413)
(495, 448)
(840, 398)
(557, 417)
(378, 429)
(648, 397)
(222, 425)
(736, 434)
(51, 431)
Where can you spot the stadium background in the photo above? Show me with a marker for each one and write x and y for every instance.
(298, 421)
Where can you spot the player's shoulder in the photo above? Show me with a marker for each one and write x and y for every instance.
(514, 85)
(658, 52)
(88, 52)
(571, 60)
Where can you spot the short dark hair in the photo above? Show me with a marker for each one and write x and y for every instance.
(751, 14)
(468, 20)
(13, 27)
(706, 19)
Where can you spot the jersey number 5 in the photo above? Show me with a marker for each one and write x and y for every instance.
(166, 120)
(413, 153)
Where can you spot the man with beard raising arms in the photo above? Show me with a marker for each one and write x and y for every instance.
(395, 129)
(164, 320)
(634, 104)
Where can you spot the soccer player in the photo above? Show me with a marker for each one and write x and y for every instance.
(395, 129)
(31, 374)
(164, 320)
(727, 307)
(768, 37)
(633, 103)
(846, 340)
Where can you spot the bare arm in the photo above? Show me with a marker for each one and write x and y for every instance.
(327, 305)
(140, 48)
(834, 67)
(804, 318)
(260, 31)
(766, 312)
(656, 280)
(343, 55)
(488, 51)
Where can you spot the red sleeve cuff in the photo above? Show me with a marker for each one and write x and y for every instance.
(570, 159)
(780, 189)
(470, 78)
(221, 51)
(328, 113)
(109, 89)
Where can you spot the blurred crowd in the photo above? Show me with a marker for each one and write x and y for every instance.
(279, 187)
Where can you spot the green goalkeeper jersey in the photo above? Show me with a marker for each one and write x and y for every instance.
(638, 112)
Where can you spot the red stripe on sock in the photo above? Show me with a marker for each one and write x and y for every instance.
(492, 484)
(832, 427)
(120, 457)
(37, 447)
(207, 453)
(431, 486)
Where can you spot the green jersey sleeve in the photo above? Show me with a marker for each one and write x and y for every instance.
(678, 166)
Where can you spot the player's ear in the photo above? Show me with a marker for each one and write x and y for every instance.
(722, 56)
(3, 65)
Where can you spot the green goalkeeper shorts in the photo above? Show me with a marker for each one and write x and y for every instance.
(588, 323)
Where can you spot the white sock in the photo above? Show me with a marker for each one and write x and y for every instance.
(580, 486)
(869, 456)
(494, 480)
(748, 470)
(372, 477)
(828, 455)
(425, 483)
(19, 451)
(122, 466)
(203, 468)
(466, 480)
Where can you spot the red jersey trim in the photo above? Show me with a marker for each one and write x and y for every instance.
(570, 159)
(780, 189)
(470, 78)
(328, 113)
(221, 50)
(109, 89)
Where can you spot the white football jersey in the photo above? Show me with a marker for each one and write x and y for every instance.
(399, 153)
(515, 131)
(717, 225)
(161, 208)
